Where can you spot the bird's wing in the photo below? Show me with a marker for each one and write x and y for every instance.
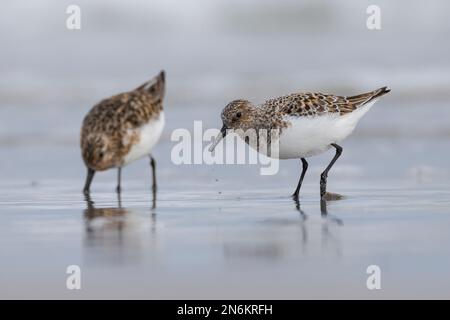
(314, 104)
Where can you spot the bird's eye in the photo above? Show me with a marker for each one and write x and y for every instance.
(238, 114)
(101, 155)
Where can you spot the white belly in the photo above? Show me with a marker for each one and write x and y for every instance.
(309, 136)
(149, 135)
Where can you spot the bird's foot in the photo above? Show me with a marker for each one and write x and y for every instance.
(329, 196)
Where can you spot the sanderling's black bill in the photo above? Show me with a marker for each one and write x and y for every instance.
(220, 136)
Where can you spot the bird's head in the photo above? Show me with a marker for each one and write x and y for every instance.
(236, 115)
(96, 152)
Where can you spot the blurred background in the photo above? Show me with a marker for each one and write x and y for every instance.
(225, 227)
(213, 52)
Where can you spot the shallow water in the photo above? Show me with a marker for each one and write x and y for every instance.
(219, 241)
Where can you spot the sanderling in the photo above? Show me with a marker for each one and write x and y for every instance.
(307, 124)
(123, 128)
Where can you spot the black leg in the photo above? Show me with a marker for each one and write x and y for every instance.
(89, 202)
(324, 175)
(154, 186)
(305, 167)
(119, 178)
(89, 177)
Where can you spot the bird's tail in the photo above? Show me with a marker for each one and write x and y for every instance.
(156, 86)
(362, 99)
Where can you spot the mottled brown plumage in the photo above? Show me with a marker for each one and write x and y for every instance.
(113, 126)
(242, 114)
(313, 104)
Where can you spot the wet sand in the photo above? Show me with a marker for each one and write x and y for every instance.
(225, 243)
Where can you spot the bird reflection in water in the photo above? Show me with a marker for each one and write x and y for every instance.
(282, 237)
(114, 234)
(105, 220)
(303, 228)
(327, 237)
